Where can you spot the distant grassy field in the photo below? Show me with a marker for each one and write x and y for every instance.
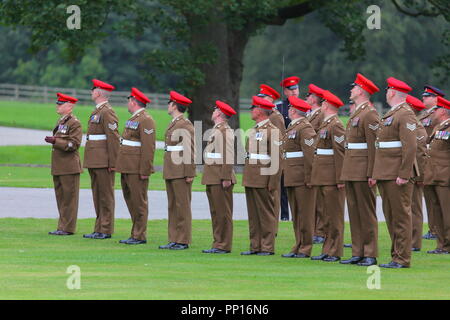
(33, 266)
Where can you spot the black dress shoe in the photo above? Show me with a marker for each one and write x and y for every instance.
(331, 259)
(352, 260)
(215, 250)
(301, 255)
(320, 257)
(248, 253)
(264, 253)
(179, 246)
(60, 233)
(318, 240)
(289, 255)
(125, 241)
(429, 236)
(136, 241)
(366, 262)
(347, 245)
(167, 246)
(438, 251)
(393, 265)
(90, 235)
(415, 249)
(102, 236)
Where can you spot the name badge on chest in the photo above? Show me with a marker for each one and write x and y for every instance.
(133, 125)
(95, 118)
(387, 122)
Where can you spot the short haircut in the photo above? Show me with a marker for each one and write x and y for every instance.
(180, 107)
(104, 93)
(300, 112)
(140, 103)
(267, 112)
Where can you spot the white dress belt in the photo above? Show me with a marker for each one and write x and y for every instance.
(325, 152)
(256, 156)
(359, 146)
(174, 148)
(96, 137)
(130, 143)
(389, 144)
(297, 154)
(213, 155)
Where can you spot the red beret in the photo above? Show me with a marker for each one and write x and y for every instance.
(366, 84)
(415, 103)
(139, 95)
(225, 108)
(299, 104)
(316, 90)
(268, 91)
(398, 85)
(442, 102)
(178, 98)
(290, 83)
(262, 103)
(331, 98)
(65, 98)
(102, 85)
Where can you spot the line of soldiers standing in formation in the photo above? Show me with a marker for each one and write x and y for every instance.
(405, 153)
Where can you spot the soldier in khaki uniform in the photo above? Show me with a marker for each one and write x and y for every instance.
(66, 165)
(277, 120)
(438, 176)
(421, 155)
(298, 153)
(361, 134)
(315, 117)
(179, 173)
(100, 156)
(261, 178)
(326, 175)
(135, 163)
(429, 121)
(394, 169)
(219, 178)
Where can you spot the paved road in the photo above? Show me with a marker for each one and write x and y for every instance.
(40, 203)
(31, 137)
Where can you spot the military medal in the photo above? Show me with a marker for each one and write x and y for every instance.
(133, 125)
(292, 134)
(426, 122)
(355, 122)
(388, 121)
(95, 118)
(323, 134)
(259, 136)
(62, 128)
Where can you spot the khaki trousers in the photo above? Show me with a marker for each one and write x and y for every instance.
(102, 184)
(67, 189)
(302, 201)
(397, 211)
(179, 194)
(441, 210)
(333, 211)
(417, 216)
(221, 207)
(262, 219)
(134, 191)
(361, 203)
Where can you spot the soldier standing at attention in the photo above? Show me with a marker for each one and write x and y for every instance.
(427, 118)
(290, 88)
(135, 163)
(417, 199)
(438, 175)
(361, 134)
(261, 178)
(179, 173)
(326, 174)
(314, 98)
(394, 169)
(66, 165)
(277, 120)
(298, 153)
(219, 178)
(100, 155)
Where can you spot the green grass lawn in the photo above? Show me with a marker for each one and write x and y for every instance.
(33, 266)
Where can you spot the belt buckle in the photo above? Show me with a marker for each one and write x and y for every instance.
(247, 155)
(377, 145)
(165, 148)
(346, 145)
(121, 139)
(285, 155)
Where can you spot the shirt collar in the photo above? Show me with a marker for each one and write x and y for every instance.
(261, 123)
(180, 116)
(137, 111)
(295, 121)
(360, 105)
(100, 104)
(218, 124)
(442, 123)
(397, 105)
(329, 117)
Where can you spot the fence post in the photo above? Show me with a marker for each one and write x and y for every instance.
(16, 92)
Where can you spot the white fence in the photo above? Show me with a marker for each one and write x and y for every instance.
(48, 95)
